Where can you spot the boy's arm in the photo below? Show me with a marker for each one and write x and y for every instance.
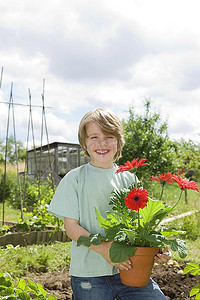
(74, 231)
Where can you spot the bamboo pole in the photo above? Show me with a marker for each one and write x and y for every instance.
(17, 161)
(5, 157)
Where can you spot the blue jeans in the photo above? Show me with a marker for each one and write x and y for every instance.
(110, 288)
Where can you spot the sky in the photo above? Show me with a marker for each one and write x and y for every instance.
(82, 54)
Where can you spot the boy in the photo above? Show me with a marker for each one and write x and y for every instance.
(93, 275)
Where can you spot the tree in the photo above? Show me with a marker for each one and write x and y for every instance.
(189, 156)
(147, 137)
(11, 152)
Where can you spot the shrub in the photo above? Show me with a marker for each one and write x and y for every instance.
(11, 188)
(147, 136)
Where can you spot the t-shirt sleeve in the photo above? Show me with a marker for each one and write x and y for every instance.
(65, 200)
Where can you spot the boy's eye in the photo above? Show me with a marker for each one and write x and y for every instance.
(110, 137)
(93, 137)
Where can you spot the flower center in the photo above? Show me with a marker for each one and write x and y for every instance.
(136, 198)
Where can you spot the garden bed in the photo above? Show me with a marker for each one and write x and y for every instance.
(170, 278)
(24, 238)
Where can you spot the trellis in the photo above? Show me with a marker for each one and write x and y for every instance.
(11, 112)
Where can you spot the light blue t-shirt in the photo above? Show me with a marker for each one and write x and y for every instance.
(77, 194)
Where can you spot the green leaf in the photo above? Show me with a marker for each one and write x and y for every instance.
(102, 221)
(190, 267)
(51, 297)
(40, 288)
(84, 240)
(24, 296)
(6, 282)
(112, 232)
(130, 235)
(195, 289)
(197, 297)
(32, 285)
(155, 239)
(40, 297)
(93, 239)
(8, 276)
(120, 252)
(21, 284)
(153, 213)
(153, 207)
(117, 200)
(115, 218)
(7, 291)
(179, 246)
(169, 233)
(120, 236)
(193, 268)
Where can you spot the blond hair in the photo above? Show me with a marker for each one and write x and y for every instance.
(109, 124)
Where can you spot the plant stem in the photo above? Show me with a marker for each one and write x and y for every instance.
(177, 200)
(138, 218)
(135, 182)
(163, 185)
(170, 209)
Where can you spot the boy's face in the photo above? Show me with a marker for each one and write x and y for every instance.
(101, 148)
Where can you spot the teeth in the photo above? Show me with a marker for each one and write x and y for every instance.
(102, 151)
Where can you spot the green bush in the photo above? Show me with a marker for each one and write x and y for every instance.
(11, 188)
(39, 219)
(146, 136)
(32, 192)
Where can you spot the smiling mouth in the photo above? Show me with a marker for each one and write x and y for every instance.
(102, 151)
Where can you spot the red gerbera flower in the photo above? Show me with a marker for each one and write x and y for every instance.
(136, 199)
(185, 183)
(135, 163)
(163, 179)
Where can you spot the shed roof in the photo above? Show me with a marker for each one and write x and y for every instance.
(54, 145)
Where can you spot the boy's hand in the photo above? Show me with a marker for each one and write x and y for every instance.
(163, 256)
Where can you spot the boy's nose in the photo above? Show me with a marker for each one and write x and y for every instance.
(102, 141)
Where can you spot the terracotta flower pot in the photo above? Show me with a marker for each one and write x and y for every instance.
(142, 264)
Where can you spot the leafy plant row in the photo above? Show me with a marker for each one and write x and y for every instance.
(20, 289)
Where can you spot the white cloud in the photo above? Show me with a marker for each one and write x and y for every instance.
(111, 54)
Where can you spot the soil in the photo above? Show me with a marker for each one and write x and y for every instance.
(169, 277)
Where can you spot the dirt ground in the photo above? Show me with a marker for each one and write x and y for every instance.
(170, 278)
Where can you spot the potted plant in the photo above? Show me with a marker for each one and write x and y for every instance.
(134, 222)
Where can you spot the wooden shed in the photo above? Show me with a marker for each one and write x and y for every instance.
(59, 158)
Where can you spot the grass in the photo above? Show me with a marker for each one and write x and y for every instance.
(171, 195)
(11, 214)
(54, 257)
(36, 258)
